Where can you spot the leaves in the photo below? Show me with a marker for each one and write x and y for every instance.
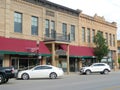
(101, 48)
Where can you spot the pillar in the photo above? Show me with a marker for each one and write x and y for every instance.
(68, 66)
(6, 61)
(53, 54)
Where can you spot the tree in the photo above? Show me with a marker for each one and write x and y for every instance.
(101, 48)
(119, 62)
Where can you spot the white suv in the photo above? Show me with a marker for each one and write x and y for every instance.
(101, 68)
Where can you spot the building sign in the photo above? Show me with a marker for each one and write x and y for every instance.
(50, 13)
(60, 52)
(32, 49)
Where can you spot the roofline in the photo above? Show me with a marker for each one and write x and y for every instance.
(50, 5)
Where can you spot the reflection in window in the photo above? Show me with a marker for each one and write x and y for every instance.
(64, 30)
(83, 34)
(47, 26)
(17, 22)
(72, 35)
(34, 26)
(53, 32)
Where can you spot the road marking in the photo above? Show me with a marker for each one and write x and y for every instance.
(113, 88)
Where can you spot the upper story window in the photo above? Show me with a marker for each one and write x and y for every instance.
(106, 35)
(119, 50)
(88, 35)
(93, 35)
(47, 27)
(110, 39)
(64, 30)
(34, 26)
(114, 40)
(83, 34)
(53, 32)
(72, 34)
(18, 22)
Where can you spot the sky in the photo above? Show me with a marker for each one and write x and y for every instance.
(110, 9)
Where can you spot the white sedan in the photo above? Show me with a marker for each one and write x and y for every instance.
(41, 71)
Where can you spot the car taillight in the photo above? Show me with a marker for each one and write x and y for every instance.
(13, 70)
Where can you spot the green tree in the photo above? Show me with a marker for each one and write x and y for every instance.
(101, 48)
(119, 62)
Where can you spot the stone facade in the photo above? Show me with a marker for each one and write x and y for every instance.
(45, 10)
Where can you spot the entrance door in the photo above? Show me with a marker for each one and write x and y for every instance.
(72, 65)
(1, 60)
(15, 63)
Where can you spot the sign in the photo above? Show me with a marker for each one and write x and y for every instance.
(32, 49)
(60, 52)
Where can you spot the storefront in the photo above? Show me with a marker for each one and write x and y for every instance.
(70, 57)
(22, 54)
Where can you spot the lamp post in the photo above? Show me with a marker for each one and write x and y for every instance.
(37, 51)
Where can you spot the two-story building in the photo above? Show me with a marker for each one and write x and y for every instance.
(36, 32)
(118, 48)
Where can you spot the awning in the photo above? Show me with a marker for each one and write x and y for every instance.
(21, 47)
(79, 51)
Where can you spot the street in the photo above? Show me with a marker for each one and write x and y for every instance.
(73, 81)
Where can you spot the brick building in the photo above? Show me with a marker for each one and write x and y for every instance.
(41, 32)
(118, 48)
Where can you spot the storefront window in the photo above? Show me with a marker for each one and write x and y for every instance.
(24, 63)
(1, 60)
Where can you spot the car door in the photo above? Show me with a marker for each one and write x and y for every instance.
(95, 68)
(41, 72)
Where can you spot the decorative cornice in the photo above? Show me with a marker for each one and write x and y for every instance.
(99, 19)
(54, 6)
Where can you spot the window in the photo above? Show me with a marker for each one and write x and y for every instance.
(83, 34)
(119, 50)
(17, 22)
(47, 27)
(110, 37)
(93, 35)
(114, 40)
(88, 35)
(42, 68)
(53, 32)
(34, 26)
(64, 30)
(72, 35)
(106, 34)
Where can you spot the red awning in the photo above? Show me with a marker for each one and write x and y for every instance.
(79, 50)
(20, 45)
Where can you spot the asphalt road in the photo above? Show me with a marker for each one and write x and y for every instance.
(68, 82)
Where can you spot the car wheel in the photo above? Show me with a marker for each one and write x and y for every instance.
(6, 80)
(105, 71)
(53, 76)
(88, 72)
(1, 79)
(101, 73)
(25, 76)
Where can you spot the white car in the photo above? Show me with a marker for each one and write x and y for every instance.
(41, 71)
(101, 68)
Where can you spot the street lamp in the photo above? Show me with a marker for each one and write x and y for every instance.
(37, 51)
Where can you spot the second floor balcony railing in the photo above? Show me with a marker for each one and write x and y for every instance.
(57, 37)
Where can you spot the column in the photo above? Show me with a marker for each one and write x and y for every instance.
(53, 54)
(6, 61)
(68, 66)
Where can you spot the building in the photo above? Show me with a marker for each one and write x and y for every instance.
(89, 26)
(118, 48)
(41, 32)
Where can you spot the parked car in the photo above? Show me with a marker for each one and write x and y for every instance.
(41, 71)
(6, 73)
(101, 68)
